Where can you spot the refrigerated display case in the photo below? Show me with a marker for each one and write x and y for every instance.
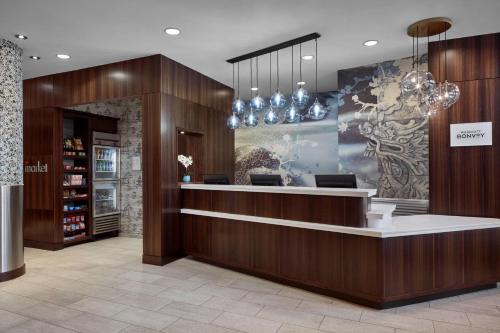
(106, 183)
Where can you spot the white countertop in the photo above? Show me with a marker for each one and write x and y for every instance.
(341, 192)
(401, 225)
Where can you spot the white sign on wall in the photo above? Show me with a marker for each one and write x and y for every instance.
(471, 134)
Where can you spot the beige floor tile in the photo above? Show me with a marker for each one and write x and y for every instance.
(271, 300)
(469, 307)
(184, 296)
(142, 288)
(49, 312)
(337, 310)
(485, 321)
(145, 318)
(89, 323)
(229, 305)
(140, 276)
(171, 282)
(226, 292)
(440, 327)
(36, 326)
(303, 294)
(189, 326)
(246, 324)
(288, 328)
(257, 286)
(348, 326)
(104, 280)
(142, 301)
(304, 319)
(13, 302)
(58, 297)
(448, 316)
(138, 329)
(9, 319)
(106, 293)
(397, 321)
(98, 307)
(190, 311)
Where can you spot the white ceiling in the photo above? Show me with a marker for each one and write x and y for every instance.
(96, 32)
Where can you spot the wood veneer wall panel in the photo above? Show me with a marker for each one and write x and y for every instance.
(231, 242)
(266, 251)
(465, 180)
(449, 260)
(480, 260)
(38, 92)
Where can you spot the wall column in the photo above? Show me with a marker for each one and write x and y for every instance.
(11, 162)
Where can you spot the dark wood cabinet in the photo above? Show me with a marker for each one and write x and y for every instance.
(45, 194)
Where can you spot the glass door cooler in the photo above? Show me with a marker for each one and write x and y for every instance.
(106, 183)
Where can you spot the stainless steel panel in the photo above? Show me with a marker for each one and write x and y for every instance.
(11, 228)
(106, 224)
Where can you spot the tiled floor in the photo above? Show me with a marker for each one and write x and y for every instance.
(103, 287)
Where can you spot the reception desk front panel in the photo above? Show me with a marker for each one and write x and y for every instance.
(372, 267)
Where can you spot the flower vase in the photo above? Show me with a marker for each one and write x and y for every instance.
(186, 179)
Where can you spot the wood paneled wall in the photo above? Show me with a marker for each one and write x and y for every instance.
(466, 180)
(173, 96)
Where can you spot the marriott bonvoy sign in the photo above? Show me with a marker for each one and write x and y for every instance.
(471, 134)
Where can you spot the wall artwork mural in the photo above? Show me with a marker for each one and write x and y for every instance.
(383, 136)
(295, 151)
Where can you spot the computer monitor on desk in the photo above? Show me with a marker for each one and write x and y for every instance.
(266, 180)
(339, 181)
(216, 179)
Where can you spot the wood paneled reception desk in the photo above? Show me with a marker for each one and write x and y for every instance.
(318, 239)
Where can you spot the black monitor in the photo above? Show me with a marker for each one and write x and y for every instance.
(216, 179)
(339, 181)
(266, 180)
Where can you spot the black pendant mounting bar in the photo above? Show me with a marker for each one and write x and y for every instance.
(275, 48)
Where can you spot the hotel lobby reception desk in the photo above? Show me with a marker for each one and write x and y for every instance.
(317, 239)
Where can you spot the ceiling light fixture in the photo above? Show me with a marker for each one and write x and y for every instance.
(370, 42)
(308, 57)
(63, 56)
(300, 96)
(316, 111)
(35, 57)
(292, 114)
(19, 36)
(254, 88)
(172, 31)
(257, 101)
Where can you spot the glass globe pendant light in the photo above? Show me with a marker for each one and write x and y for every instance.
(251, 119)
(300, 95)
(278, 100)
(316, 111)
(239, 105)
(233, 122)
(257, 103)
(271, 116)
(417, 82)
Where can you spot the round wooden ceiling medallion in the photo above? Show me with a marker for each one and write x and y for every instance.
(429, 27)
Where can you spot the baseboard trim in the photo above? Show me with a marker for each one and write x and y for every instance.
(6, 276)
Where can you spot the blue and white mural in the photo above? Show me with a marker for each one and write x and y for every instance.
(296, 151)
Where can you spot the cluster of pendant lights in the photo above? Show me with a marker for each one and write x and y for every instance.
(277, 109)
(423, 87)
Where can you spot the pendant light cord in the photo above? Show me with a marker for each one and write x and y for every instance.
(300, 62)
(277, 70)
(292, 71)
(251, 76)
(439, 57)
(445, 57)
(413, 55)
(270, 72)
(316, 55)
(238, 80)
(418, 60)
(257, 74)
(233, 77)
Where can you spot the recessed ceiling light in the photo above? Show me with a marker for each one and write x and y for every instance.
(63, 56)
(19, 36)
(35, 57)
(172, 31)
(308, 57)
(254, 88)
(370, 43)
(301, 83)
(182, 132)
